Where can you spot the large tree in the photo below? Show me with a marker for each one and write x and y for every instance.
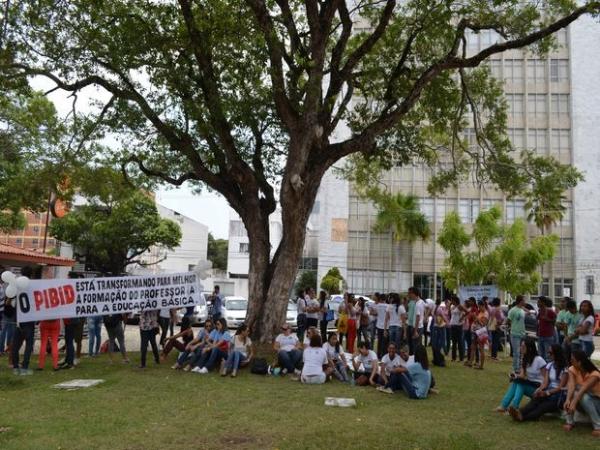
(245, 96)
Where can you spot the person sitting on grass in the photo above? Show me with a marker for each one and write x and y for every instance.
(365, 365)
(533, 370)
(288, 348)
(390, 361)
(189, 358)
(241, 352)
(216, 350)
(335, 356)
(315, 359)
(547, 398)
(415, 379)
(583, 391)
(186, 334)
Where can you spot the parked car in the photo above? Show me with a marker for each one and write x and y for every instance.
(292, 314)
(234, 310)
(200, 313)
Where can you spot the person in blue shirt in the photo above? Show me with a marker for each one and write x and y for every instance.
(414, 379)
(217, 348)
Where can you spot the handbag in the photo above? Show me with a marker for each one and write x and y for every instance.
(329, 315)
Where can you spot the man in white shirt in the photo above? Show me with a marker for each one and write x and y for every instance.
(288, 350)
(379, 310)
(390, 361)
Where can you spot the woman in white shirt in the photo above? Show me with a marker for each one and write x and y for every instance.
(394, 319)
(365, 363)
(335, 355)
(533, 371)
(585, 328)
(241, 352)
(314, 358)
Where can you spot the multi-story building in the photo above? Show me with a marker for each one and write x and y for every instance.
(33, 236)
(553, 109)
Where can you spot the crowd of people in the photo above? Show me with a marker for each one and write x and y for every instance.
(380, 344)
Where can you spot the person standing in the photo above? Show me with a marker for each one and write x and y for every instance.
(312, 309)
(164, 320)
(395, 319)
(561, 322)
(546, 322)
(24, 333)
(323, 312)
(380, 311)
(148, 331)
(217, 303)
(457, 315)
(496, 321)
(363, 314)
(348, 308)
(585, 327)
(94, 335)
(114, 328)
(416, 310)
(516, 321)
(438, 333)
(49, 331)
(9, 319)
(69, 328)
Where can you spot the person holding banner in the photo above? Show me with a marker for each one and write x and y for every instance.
(148, 331)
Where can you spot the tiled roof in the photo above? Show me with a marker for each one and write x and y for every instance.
(11, 253)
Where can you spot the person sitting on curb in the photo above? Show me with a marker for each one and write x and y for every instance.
(288, 348)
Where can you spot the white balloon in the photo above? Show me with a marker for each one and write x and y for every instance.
(11, 291)
(8, 276)
(22, 283)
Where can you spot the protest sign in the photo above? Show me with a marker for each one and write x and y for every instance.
(490, 291)
(57, 299)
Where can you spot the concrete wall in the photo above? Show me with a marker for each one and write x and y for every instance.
(585, 108)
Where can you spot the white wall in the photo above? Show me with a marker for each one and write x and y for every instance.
(585, 98)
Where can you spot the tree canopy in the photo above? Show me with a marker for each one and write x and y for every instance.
(493, 253)
(333, 281)
(251, 98)
(217, 252)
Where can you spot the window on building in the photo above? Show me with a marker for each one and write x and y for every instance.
(560, 105)
(537, 105)
(515, 209)
(488, 37)
(563, 287)
(560, 142)
(424, 282)
(559, 70)
(34, 242)
(538, 140)
(561, 37)
(536, 71)
(566, 219)
(18, 241)
(589, 285)
(426, 206)
(513, 70)
(244, 247)
(36, 229)
(496, 68)
(517, 137)
(515, 104)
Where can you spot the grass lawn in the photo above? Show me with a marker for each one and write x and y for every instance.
(162, 408)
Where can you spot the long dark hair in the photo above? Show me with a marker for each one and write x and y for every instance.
(558, 356)
(586, 364)
(337, 345)
(223, 323)
(530, 352)
(588, 303)
(421, 357)
(322, 298)
(395, 300)
(243, 327)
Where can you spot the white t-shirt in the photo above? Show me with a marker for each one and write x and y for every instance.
(409, 361)
(390, 364)
(240, 346)
(287, 343)
(534, 371)
(455, 316)
(381, 309)
(420, 311)
(301, 304)
(330, 350)
(313, 302)
(429, 305)
(314, 359)
(553, 380)
(589, 336)
(366, 361)
(395, 315)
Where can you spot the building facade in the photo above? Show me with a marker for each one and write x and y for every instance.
(33, 236)
(553, 109)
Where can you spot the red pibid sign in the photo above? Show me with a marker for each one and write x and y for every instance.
(54, 297)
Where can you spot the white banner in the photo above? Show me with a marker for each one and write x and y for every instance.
(490, 290)
(57, 299)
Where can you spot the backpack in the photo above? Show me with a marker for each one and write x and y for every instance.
(259, 366)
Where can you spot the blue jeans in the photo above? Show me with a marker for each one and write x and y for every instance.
(515, 393)
(495, 335)
(289, 360)
(24, 332)
(589, 404)
(544, 344)
(210, 359)
(587, 347)
(403, 381)
(340, 372)
(6, 335)
(94, 334)
(234, 360)
(515, 344)
(395, 335)
(438, 344)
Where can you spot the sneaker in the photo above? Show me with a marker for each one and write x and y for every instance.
(26, 372)
(196, 370)
(284, 372)
(175, 366)
(500, 409)
(434, 391)
(204, 370)
(75, 362)
(295, 378)
(386, 390)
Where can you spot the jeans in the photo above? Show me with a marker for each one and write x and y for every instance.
(372, 333)
(163, 322)
(458, 343)
(539, 406)
(515, 393)
(289, 360)
(438, 342)
(148, 336)
(381, 343)
(395, 335)
(24, 332)
(340, 372)
(94, 334)
(69, 331)
(234, 360)
(403, 381)
(116, 333)
(515, 344)
(587, 347)
(495, 335)
(363, 334)
(212, 358)
(8, 330)
(589, 404)
(544, 344)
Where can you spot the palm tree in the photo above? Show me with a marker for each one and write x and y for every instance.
(400, 214)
